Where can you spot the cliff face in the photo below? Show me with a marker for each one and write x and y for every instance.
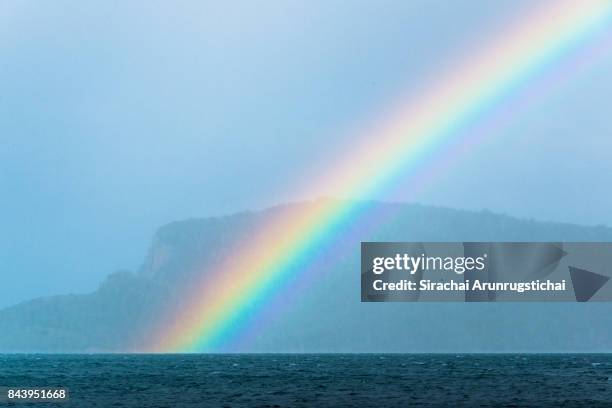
(326, 315)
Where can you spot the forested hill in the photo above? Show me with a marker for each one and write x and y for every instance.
(327, 315)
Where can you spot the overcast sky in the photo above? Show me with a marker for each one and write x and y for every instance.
(116, 118)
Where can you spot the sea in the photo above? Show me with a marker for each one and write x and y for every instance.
(311, 380)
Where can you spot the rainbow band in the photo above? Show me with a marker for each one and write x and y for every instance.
(220, 304)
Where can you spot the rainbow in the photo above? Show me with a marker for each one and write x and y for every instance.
(221, 304)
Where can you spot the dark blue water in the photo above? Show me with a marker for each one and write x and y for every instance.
(327, 380)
